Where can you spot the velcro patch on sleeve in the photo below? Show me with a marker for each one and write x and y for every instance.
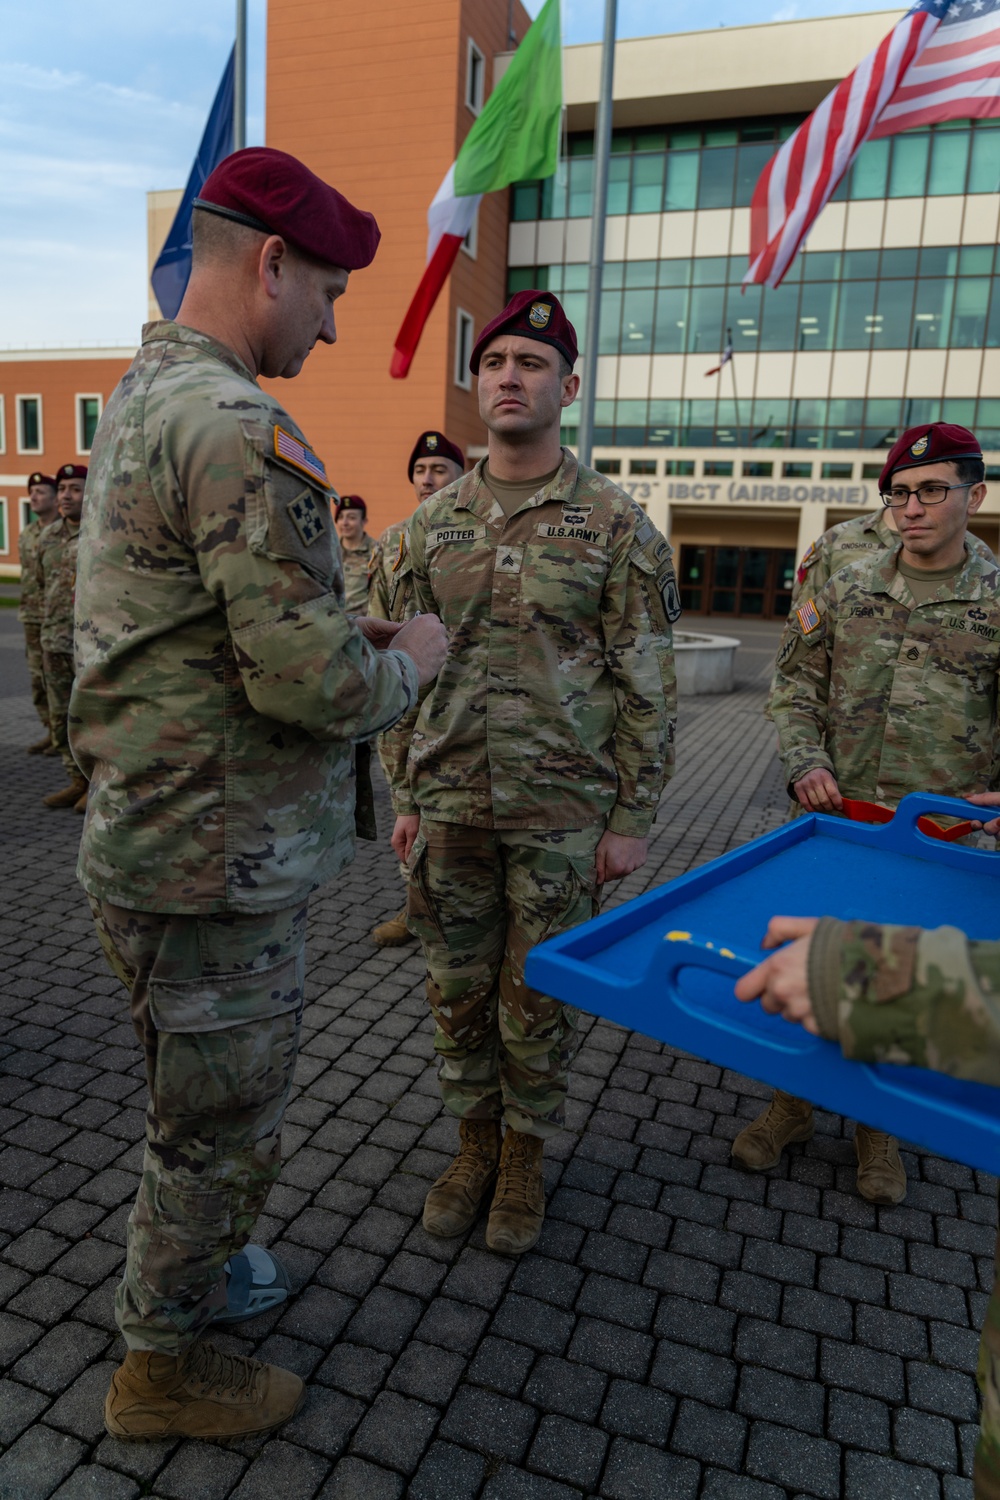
(809, 617)
(291, 451)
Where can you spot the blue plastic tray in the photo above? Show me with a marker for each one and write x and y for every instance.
(665, 964)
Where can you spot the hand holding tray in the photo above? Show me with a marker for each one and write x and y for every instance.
(665, 964)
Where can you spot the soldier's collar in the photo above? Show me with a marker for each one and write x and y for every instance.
(177, 333)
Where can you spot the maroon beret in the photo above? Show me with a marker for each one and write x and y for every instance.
(931, 443)
(275, 193)
(434, 445)
(350, 502)
(41, 479)
(70, 471)
(533, 315)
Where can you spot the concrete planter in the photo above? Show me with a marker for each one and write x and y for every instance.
(705, 663)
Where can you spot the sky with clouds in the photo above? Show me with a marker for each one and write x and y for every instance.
(101, 102)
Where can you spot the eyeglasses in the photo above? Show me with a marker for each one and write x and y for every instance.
(927, 494)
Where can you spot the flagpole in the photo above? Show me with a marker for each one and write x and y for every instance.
(240, 81)
(602, 157)
(736, 399)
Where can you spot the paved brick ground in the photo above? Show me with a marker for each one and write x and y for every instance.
(683, 1330)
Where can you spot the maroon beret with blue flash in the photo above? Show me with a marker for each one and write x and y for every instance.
(277, 194)
(532, 315)
(931, 443)
(434, 445)
(349, 502)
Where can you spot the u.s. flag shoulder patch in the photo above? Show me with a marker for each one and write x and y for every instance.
(809, 617)
(293, 452)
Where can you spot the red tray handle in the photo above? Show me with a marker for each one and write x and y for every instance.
(860, 811)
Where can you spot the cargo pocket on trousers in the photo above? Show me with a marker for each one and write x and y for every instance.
(420, 915)
(225, 1042)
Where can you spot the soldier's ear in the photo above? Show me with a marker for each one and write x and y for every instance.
(977, 495)
(273, 264)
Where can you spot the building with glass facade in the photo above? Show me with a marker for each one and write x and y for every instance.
(890, 316)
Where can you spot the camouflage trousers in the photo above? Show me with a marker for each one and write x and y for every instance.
(33, 651)
(986, 1484)
(217, 1006)
(58, 669)
(478, 899)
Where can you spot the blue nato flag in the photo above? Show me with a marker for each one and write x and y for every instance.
(171, 272)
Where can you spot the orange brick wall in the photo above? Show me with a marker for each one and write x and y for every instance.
(371, 97)
(58, 381)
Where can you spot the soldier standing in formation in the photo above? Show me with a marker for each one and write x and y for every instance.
(434, 463)
(42, 499)
(55, 574)
(537, 760)
(357, 547)
(886, 683)
(220, 686)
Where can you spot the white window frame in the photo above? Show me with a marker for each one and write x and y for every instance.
(470, 244)
(475, 78)
(5, 525)
(3, 426)
(80, 397)
(465, 324)
(26, 512)
(18, 404)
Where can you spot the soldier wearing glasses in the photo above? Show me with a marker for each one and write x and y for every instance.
(886, 683)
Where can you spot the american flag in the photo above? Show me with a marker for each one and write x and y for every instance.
(289, 448)
(940, 62)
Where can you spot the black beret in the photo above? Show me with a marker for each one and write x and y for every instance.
(434, 445)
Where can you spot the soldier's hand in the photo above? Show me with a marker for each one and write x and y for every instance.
(782, 981)
(818, 792)
(379, 632)
(425, 640)
(619, 855)
(404, 834)
(987, 799)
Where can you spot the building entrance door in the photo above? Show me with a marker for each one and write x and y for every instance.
(739, 581)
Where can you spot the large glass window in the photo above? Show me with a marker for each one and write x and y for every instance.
(719, 166)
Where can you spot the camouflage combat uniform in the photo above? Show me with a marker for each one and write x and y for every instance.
(30, 615)
(887, 695)
(551, 719)
(929, 999)
(220, 683)
(357, 567)
(55, 573)
(852, 541)
(390, 586)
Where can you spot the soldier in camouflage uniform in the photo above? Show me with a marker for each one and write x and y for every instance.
(55, 577)
(220, 685)
(911, 997)
(357, 550)
(536, 762)
(434, 463)
(42, 499)
(886, 683)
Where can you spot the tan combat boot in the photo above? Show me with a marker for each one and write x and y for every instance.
(518, 1210)
(40, 746)
(785, 1119)
(69, 796)
(454, 1200)
(202, 1394)
(394, 933)
(881, 1174)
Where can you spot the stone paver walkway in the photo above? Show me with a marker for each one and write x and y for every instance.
(683, 1331)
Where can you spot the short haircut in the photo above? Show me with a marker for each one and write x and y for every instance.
(970, 470)
(565, 368)
(214, 237)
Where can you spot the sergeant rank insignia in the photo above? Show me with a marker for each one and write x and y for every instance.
(306, 517)
(809, 617)
(540, 314)
(299, 456)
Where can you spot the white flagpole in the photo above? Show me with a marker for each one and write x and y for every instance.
(602, 157)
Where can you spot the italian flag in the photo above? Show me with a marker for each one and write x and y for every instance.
(515, 137)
